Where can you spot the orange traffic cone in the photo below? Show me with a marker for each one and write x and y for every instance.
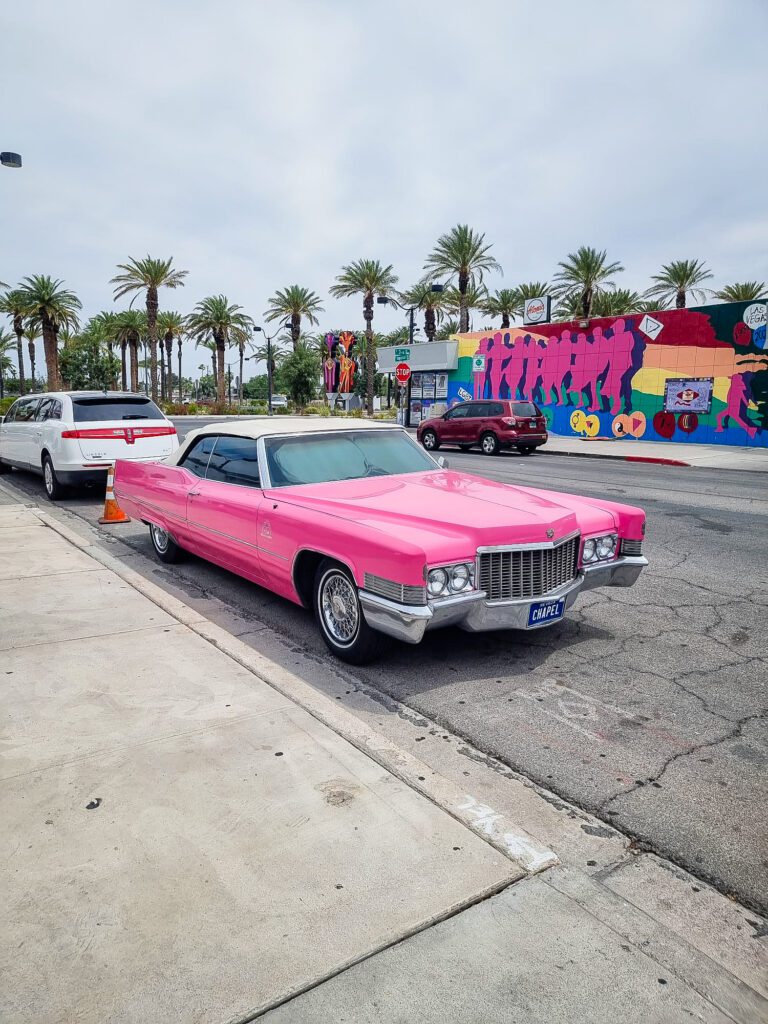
(112, 511)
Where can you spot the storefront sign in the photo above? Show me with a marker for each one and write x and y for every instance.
(402, 355)
(688, 394)
(537, 310)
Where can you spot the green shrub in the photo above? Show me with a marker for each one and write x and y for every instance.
(6, 403)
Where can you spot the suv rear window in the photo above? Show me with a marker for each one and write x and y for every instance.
(524, 409)
(88, 410)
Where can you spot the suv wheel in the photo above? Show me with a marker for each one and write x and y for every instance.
(340, 615)
(166, 549)
(430, 440)
(489, 444)
(53, 488)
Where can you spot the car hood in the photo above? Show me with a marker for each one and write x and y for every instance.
(449, 514)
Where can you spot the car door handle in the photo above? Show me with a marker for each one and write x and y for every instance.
(192, 494)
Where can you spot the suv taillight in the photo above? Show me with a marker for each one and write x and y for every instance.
(510, 421)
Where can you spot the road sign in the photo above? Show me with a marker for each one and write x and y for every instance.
(478, 364)
(402, 373)
(402, 355)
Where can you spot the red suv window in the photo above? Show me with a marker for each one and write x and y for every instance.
(524, 409)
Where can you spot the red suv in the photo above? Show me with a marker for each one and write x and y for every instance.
(492, 425)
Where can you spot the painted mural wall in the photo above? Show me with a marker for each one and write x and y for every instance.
(698, 375)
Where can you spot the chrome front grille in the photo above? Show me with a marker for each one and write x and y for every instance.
(631, 547)
(403, 593)
(522, 573)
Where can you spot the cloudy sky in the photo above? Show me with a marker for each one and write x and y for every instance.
(267, 143)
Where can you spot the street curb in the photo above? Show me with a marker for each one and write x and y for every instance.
(505, 836)
(656, 460)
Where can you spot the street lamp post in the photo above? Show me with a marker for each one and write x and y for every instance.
(436, 288)
(281, 326)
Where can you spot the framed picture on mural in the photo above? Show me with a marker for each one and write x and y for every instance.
(688, 394)
(415, 385)
(441, 385)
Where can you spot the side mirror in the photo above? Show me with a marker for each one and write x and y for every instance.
(443, 462)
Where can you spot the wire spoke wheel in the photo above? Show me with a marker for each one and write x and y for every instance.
(160, 538)
(339, 608)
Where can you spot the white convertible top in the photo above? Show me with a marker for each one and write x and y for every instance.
(263, 426)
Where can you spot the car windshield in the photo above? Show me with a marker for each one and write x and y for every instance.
(321, 458)
(524, 409)
(119, 408)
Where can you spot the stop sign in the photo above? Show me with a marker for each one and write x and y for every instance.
(402, 373)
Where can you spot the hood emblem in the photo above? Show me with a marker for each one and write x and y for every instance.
(550, 533)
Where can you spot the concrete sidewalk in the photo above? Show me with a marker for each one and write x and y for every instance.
(180, 841)
(185, 841)
(706, 456)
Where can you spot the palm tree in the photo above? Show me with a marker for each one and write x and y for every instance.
(130, 326)
(104, 328)
(431, 303)
(148, 274)
(447, 329)
(462, 253)
(215, 318)
(294, 302)
(677, 278)
(744, 291)
(506, 303)
(475, 297)
(366, 278)
(618, 303)
(400, 336)
(32, 334)
(12, 304)
(171, 325)
(7, 345)
(52, 308)
(587, 273)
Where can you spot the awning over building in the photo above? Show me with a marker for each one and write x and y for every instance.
(430, 355)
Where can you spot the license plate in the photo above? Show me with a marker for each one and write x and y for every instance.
(544, 612)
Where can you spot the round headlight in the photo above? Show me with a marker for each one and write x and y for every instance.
(606, 546)
(437, 582)
(458, 578)
(590, 546)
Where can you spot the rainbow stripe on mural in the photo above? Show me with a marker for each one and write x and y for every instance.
(698, 375)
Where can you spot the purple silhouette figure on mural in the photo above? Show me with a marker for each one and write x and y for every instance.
(594, 369)
(737, 403)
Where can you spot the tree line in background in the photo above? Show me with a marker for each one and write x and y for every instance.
(106, 350)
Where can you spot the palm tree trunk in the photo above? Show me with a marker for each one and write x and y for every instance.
(2, 382)
(430, 324)
(370, 351)
(161, 365)
(240, 388)
(111, 353)
(133, 343)
(680, 299)
(221, 389)
(295, 329)
(463, 308)
(181, 393)
(123, 373)
(152, 306)
(51, 354)
(18, 328)
(504, 321)
(586, 302)
(215, 372)
(31, 347)
(169, 365)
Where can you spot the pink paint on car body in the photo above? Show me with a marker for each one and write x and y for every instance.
(514, 553)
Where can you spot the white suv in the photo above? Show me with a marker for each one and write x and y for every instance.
(73, 437)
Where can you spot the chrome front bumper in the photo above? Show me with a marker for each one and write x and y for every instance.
(472, 612)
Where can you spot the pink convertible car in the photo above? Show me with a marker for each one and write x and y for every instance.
(376, 535)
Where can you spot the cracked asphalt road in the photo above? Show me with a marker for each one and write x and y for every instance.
(645, 706)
